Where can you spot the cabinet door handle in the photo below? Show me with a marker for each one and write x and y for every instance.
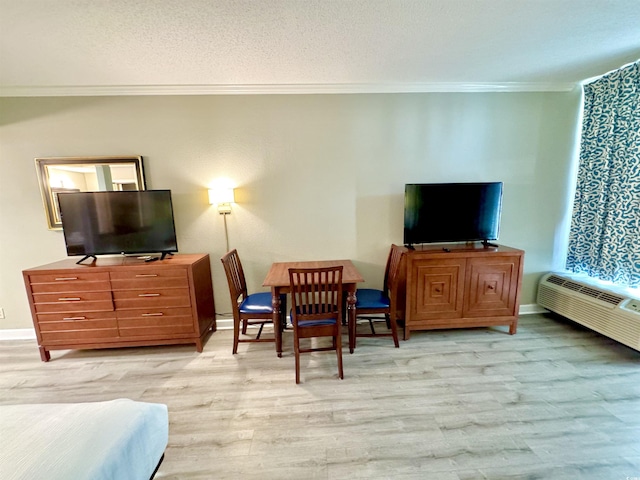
(146, 275)
(149, 295)
(159, 314)
(74, 318)
(65, 279)
(69, 299)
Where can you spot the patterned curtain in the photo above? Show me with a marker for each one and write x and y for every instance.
(604, 240)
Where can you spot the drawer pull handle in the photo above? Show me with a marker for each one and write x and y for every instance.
(74, 318)
(146, 275)
(149, 295)
(69, 299)
(65, 279)
(152, 314)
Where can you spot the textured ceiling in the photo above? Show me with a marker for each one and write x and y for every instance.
(178, 46)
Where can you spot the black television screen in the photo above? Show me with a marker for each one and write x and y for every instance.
(452, 212)
(122, 222)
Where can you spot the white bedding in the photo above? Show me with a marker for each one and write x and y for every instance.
(116, 440)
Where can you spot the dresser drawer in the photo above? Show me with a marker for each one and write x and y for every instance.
(79, 336)
(64, 328)
(148, 298)
(142, 278)
(155, 321)
(72, 302)
(80, 282)
(90, 321)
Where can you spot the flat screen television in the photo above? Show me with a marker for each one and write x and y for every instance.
(119, 222)
(452, 212)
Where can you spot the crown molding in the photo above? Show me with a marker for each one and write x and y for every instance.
(277, 89)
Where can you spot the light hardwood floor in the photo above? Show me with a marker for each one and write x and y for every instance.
(554, 401)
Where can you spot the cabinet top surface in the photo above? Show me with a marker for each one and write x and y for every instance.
(178, 260)
(463, 248)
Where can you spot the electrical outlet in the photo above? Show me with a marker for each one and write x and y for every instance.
(1, 312)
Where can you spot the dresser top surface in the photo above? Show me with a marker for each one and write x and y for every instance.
(463, 248)
(178, 260)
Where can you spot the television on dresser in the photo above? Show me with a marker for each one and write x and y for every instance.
(452, 212)
(118, 222)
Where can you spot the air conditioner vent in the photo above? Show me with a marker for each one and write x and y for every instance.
(592, 305)
(572, 286)
(610, 298)
(590, 292)
(555, 280)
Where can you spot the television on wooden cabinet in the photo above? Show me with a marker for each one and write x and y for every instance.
(118, 222)
(452, 212)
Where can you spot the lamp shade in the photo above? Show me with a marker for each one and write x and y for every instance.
(221, 195)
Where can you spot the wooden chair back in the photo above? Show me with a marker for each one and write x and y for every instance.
(235, 276)
(316, 293)
(316, 296)
(395, 280)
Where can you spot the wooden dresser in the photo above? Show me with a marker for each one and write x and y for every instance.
(121, 302)
(462, 285)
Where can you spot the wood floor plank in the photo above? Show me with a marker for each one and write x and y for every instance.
(553, 401)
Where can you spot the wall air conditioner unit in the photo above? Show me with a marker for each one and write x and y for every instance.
(609, 310)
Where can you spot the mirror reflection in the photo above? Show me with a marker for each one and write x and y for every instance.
(85, 174)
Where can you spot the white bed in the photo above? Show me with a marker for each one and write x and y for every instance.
(116, 440)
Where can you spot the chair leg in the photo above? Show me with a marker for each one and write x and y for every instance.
(338, 342)
(236, 334)
(373, 330)
(394, 332)
(244, 327)
(259, 331)
(296, 353)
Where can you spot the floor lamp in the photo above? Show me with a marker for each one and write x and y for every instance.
(223, 198)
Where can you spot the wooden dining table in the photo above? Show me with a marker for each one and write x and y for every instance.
(278, 280)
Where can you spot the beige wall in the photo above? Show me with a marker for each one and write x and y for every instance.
(318, 176)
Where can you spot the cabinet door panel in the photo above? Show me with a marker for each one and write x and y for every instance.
(438, 288)
(491, 286)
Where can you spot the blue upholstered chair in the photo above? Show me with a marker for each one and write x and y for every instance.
(316, 297)
(388, 303)
(248, 309)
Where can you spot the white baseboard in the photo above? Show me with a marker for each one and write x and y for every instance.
(18, 334)
(531, 309)
(221, 324)
(224, 324)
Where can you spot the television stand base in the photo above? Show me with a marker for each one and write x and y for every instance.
(164, 254)
(85, 257)
(488, 244)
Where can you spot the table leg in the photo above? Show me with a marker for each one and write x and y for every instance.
(351, 314)
(277, 320)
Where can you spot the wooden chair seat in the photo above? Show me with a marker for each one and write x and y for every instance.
(256, 303)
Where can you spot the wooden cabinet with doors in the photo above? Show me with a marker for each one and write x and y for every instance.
(458, 286)
(120, 302)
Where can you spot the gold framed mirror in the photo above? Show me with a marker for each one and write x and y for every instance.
(85, 174)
